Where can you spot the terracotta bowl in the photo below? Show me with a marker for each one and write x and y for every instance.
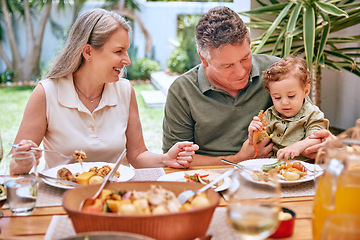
(183, 225)
(108, 236)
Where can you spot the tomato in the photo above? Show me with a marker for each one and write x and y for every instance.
(92, 208)
(299, 166)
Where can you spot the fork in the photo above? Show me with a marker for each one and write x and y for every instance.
(315, 169)
(255, 174)
(243, 167)
(184, 196)
(90, 201)
(45, 150)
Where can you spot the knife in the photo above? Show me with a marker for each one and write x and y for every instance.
(74, 184)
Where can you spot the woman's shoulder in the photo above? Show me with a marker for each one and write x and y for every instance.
(122, 85)
(120, 89)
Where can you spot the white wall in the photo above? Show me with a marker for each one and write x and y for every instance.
(340, 91)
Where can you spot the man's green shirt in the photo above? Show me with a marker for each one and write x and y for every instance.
(197, 111)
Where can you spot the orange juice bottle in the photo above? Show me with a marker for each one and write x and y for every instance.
(338, 189)
(346, 199)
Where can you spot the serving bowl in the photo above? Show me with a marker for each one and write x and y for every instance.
(187, 224)
(108, 236)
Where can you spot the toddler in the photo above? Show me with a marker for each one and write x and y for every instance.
(293, 117)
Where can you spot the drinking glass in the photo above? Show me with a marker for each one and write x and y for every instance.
(1, 149)
(22, 188)
(2, 187)
(343, 226)
(253, 207)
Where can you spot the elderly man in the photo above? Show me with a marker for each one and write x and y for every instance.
(213, 104)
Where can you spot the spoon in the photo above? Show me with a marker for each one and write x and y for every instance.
(184, 196)
(90, 201)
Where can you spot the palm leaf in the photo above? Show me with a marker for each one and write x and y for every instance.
(267, 9)
(330, 9)
(278, 42)
(341, 56)
(290, 28)
(268, 33)
(344, 39)
(309, 34)
(324, 37)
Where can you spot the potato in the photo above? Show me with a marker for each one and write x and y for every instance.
(160, 209)
(105, 193)
(128, 209)
(84, 177)
(185, 206)
(96, 180)
(142, 206)
(115, 205)
(291, 176)
(284, 216)
(200, 201)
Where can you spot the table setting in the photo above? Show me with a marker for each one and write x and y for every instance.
(295, 198)
(50, 195)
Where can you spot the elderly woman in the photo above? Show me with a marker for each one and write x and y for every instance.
(83, 104)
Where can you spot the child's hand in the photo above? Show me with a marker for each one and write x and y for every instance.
(290, 151)
(255, 125)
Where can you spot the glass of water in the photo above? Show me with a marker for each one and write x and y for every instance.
(21, 189)
(254, 206)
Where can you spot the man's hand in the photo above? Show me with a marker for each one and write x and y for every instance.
(324, 136)
(247, 151)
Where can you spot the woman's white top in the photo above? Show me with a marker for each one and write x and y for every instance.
(71, 126)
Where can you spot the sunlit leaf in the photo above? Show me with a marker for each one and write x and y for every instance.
(283, 13)
(268, 8)
(309, 34)
(330, 9)
(290, 28)
(324, 37)
(278, 42)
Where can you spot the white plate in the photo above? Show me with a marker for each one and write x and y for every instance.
(179, 177)
(256, 164)
(126, 173)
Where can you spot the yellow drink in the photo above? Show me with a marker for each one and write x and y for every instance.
(346, 199)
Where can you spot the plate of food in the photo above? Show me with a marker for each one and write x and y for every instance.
(88, 173)
(291, 172)
(202, 176)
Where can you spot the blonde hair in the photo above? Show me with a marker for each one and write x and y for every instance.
(291, 65)
(94, 27)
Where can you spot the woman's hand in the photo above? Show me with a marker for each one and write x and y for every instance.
(26, 145)
(180, 155)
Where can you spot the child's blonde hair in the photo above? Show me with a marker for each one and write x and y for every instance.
(291, 65)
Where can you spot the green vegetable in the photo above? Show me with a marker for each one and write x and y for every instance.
(200, 179)
(267, 167)
(194, 178)
(106, 208)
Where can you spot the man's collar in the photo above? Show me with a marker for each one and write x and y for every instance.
(204, 83)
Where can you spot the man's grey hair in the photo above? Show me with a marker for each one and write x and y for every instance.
(218, 27)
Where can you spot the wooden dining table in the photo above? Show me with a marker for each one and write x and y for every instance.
(36, 225)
